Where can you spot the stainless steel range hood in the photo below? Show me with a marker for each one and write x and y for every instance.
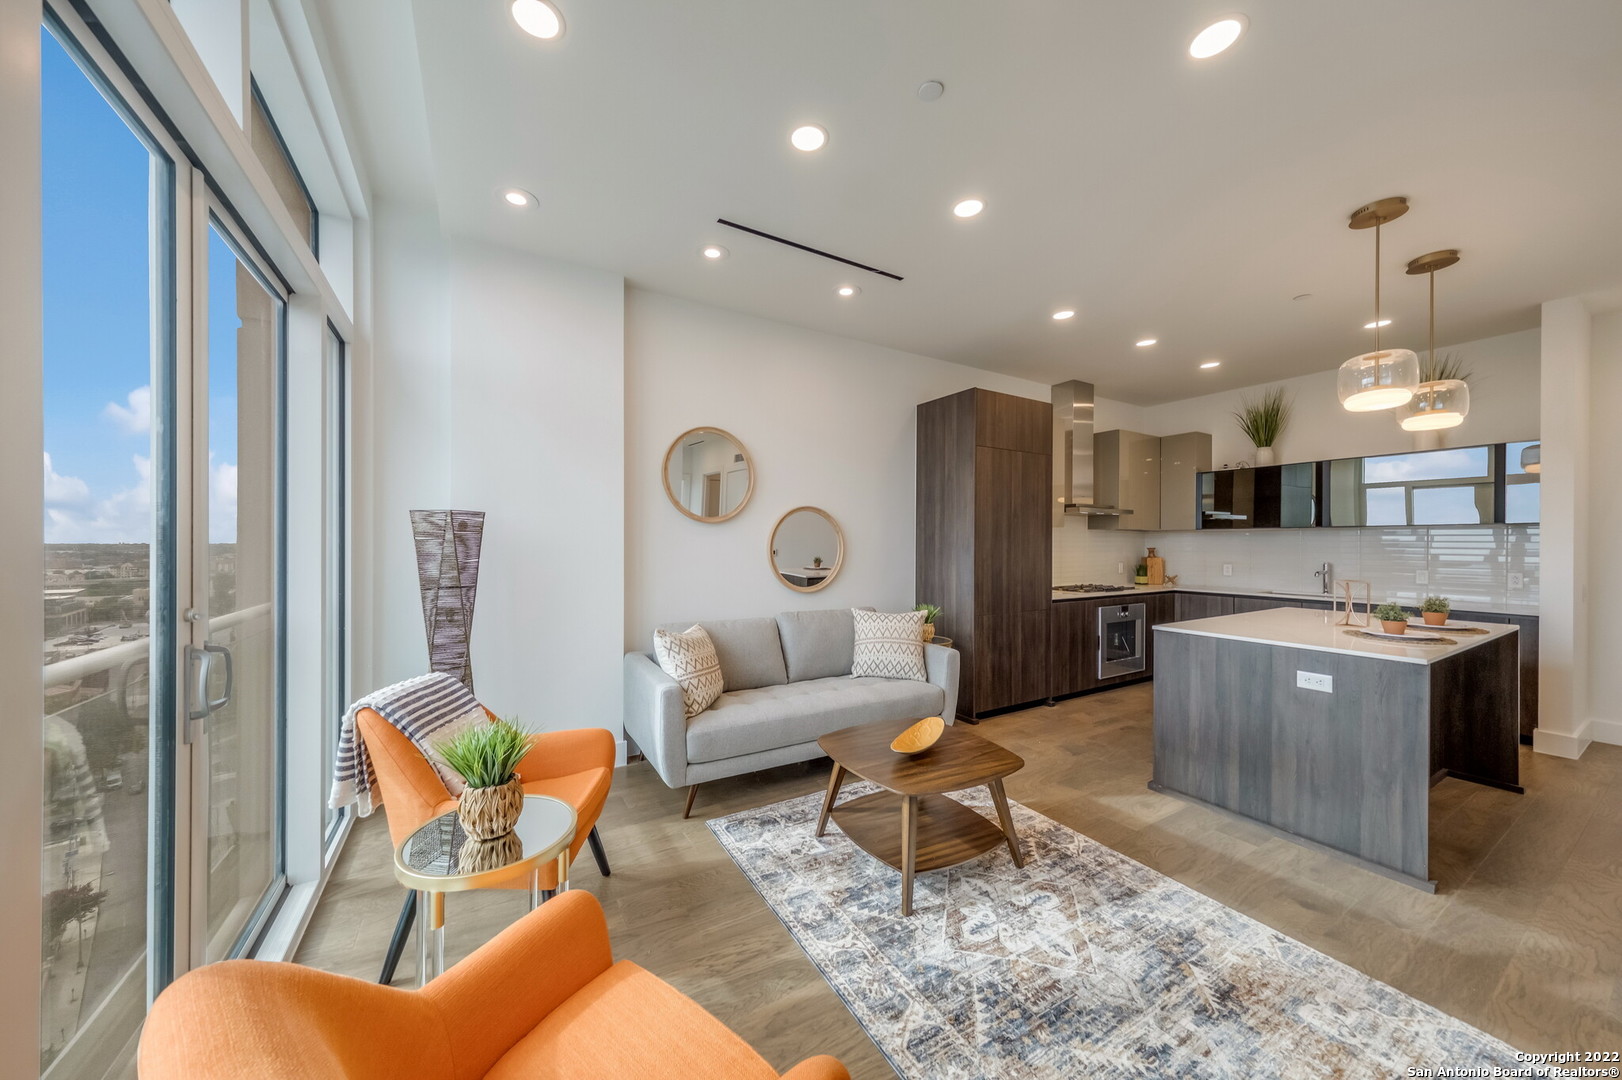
(1073, 451)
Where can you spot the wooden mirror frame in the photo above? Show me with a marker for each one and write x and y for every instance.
(748, 459)
(839, 553)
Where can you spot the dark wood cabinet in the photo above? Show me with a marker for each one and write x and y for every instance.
(1528, 625)
(1073, 641)
(1202, 606)
(985, 540)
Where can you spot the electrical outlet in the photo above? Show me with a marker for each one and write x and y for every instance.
(1120, 568)
(1422, 577)
(1517, 581)
(1227, 569)
(1311, 680)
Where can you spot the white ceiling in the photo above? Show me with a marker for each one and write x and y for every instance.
(1157, 195)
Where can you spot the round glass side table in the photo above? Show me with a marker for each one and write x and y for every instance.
(439, 858)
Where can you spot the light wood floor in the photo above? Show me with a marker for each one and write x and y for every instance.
(1523, 938)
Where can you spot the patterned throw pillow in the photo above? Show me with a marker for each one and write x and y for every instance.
(889, 646)
(689, 658)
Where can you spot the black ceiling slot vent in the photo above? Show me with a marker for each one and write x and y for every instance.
(807, 248)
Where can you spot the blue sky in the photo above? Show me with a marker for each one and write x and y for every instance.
(97, 319)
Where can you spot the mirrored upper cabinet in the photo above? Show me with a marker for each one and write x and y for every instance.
(1466, 485)
(708, 474)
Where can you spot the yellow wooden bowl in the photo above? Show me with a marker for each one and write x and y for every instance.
(921, 736)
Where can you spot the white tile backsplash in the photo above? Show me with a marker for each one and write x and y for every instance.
(1471, 566)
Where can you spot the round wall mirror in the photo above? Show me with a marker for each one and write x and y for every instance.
(807, 549)
(709, 476)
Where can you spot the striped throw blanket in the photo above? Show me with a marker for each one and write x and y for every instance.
(427, 710)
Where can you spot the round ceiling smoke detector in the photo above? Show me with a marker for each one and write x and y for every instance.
(931, 90)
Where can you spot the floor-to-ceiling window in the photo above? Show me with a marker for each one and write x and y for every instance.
(108, 244)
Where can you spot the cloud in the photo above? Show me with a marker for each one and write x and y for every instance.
(136, 419)
(124, 517)
(63, 491)
(222, 503)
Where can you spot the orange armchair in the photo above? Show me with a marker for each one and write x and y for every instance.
(543, 1000)
(574, 766)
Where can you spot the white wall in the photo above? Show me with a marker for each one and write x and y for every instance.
(1604, 577)
(403, 438)
(1563, 641)
(537, 420)
(830, 422)
(21, 526)
(1504, 390)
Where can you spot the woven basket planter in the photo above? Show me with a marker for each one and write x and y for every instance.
(489, 812)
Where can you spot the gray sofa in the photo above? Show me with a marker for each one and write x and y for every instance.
(787, 684)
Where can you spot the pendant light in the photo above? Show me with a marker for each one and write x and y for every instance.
(1532, 458)
(1384, 378)
(1438, 402)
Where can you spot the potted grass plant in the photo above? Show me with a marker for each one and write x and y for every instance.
(1393, 617)
(1263, 419)
(1435, 609)
(486, 756)
(931, 612)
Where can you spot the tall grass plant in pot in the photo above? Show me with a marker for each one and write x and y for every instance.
(486, 757)
(1263, 419)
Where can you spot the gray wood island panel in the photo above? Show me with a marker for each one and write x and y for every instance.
(1349, 768)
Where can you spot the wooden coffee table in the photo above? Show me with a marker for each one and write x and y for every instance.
(912, 825)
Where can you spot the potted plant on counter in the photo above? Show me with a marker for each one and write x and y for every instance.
(486, 756)
(932, 612)
(1435, 609)
(1262, 420)
(1393, 617)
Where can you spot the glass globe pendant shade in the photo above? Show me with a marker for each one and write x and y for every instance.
(1436, 405)
(1378, 380)
(1532, 458)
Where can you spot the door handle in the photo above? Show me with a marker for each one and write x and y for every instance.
(200, 663)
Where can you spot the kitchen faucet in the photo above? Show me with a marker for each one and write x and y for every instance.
(1326, 574)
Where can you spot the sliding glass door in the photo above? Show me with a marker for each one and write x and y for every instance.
(162, 578)
(109, 244)
(237, 745)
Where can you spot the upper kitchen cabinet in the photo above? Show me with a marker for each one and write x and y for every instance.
(1127, 467)
(985, 540)
(1456, 486)
(1182, 459)
(1271, 497)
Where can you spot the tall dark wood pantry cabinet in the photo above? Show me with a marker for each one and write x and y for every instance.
(985, 540)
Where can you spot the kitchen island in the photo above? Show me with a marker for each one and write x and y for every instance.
(1329, 736)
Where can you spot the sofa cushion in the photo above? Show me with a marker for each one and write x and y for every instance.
(817, 644)
(749, 721)
(749, 652)
(889, 646)
(688, 656)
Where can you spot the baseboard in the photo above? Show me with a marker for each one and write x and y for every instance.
(620, 752)
(1559, 744)
(1606, 731)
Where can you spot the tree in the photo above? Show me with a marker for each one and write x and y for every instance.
(71, 903)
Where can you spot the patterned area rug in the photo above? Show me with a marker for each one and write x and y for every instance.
(1083, 964)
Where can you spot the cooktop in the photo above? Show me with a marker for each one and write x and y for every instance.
(1092, 587)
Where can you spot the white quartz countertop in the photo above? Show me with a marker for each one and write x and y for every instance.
(1125, 595)
(1301, 628)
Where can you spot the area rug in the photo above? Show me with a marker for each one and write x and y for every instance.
(1083, 964)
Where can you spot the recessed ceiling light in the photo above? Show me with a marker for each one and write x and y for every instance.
(1373, 325)
(518, 197)
(1302, 296)
(847, 290)
(715, 251)
(1061, 316)
(969, 207)
(931, 90)
(808, 137)
(1146, 342)
(538, 19)
(1211, 364)
(1217, 37)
